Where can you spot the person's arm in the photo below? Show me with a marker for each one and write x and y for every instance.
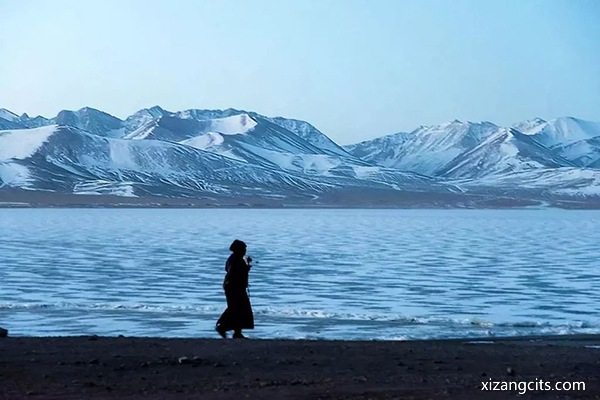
(238, 274)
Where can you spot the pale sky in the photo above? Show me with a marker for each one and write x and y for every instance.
(354, 69)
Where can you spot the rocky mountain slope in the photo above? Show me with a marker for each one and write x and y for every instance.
(234, 154)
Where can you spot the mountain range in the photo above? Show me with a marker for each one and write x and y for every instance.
(234, 157)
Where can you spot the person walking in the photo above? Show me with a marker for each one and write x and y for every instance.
(238, 314)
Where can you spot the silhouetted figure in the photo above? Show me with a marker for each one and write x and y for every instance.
(238, 314)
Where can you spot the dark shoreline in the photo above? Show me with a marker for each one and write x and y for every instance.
(19, 198)
(288, 207)
(154, 368)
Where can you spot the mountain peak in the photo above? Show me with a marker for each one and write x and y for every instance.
(152, 112)
(8, 115)
(157, 109)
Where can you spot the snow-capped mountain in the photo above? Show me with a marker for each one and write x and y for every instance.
(91, 120)
(311, 134)
(237, 154)
(584, 153)
(64, 158)
(427, 150)
(142, 117)
(469, 150)
(8, 115)
(257, 140)
(507, 150)
(574, 139)
(559, 131)
(301, 128)
(253, 139)
(67, 159)
(533, 158)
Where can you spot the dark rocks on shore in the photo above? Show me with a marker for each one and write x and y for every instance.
(3, 332)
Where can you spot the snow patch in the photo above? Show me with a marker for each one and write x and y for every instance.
(123, 189)
(12, 174)
(205, 141)
(311, 164)
(23, 143)
(120, 155)
(366, 172)
(142, 132)
(234, 125)
(116, 133)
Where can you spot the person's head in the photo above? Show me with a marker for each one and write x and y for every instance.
(238, 247)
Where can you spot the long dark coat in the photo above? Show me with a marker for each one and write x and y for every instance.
(238, 314)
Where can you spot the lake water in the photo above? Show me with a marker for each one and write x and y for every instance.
(334, 274)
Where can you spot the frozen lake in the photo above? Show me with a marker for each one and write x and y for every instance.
(335, 274)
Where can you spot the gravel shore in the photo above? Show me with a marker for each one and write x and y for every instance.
(161, 368)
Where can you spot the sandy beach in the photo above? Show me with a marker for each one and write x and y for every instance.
(161, 368)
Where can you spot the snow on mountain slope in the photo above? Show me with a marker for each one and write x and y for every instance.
(13, 174)
(574, 139)
(250, 137)
(269, 136)
(142, 117)
(175, 129)
(205, 141)
(215, 142)
(18, 145)
(258, 141)
(507, 150)
(9, 120)
(560, 131)
(203, 115)
(584, 153)
(67, 159)
(6, 125)
(427, 150)
(302, 129)
(309, 133)
(540, 183)
(91, 120)
(170, 128)
(35, 122)
(530, 126)
(22, 143)
(235, 124)
(97, 187)
(8, 115)
(230, 152)
(310, 164)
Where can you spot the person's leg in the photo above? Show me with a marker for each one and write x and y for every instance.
(226, 320)
(221, 330)
(237, 334)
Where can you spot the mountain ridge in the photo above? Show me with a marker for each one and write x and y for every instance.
(155, 152)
